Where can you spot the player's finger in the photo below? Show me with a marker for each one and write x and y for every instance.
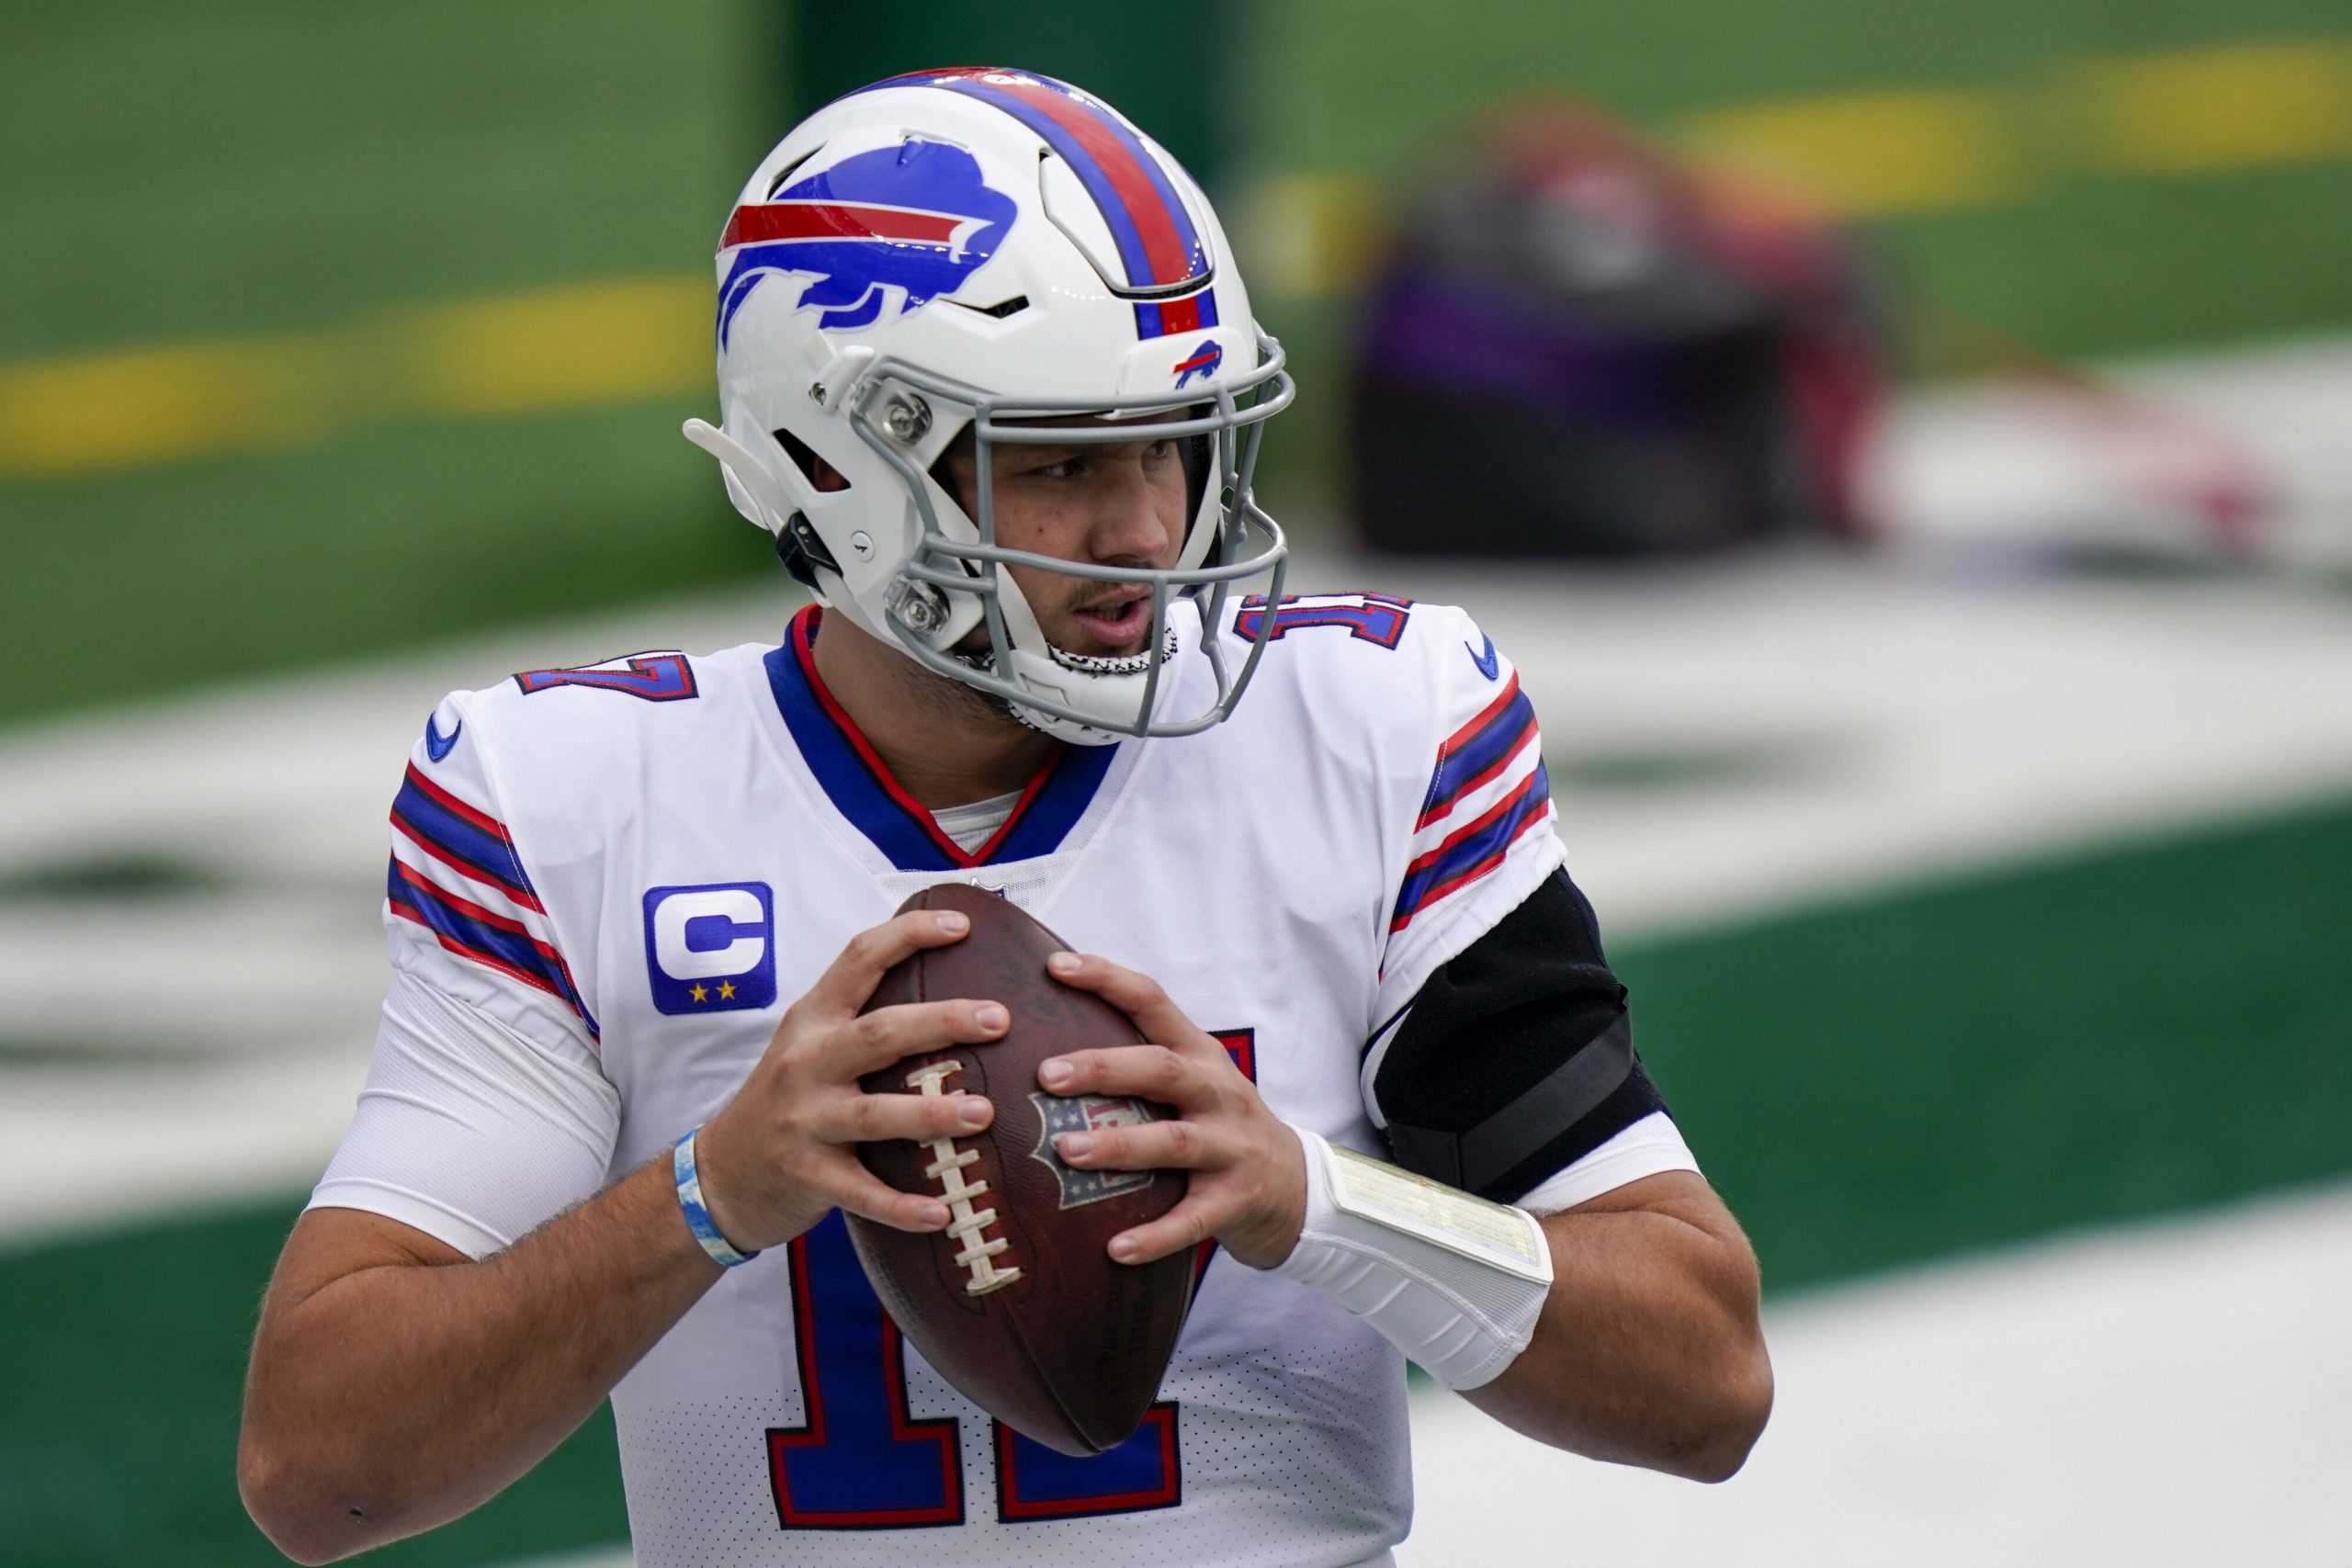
(850, 979)
(1151, 1146)
(1186, 1225)
(1155, 1072)
(883, 1118)
(1137, 995)
(858, 1192)
(875, 1040)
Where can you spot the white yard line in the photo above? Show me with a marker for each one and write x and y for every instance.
(105, 1147)
(2162, 1395)
(1916, 727)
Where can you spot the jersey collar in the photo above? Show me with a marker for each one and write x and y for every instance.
(861, 788)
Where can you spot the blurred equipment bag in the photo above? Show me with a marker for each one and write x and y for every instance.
(1580, 346)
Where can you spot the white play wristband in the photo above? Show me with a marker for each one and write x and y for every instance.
(1454, 1282)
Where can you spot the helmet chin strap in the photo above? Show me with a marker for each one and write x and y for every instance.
(1109, 688)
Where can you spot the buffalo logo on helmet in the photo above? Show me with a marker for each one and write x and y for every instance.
(915, 220)
(1202, 363)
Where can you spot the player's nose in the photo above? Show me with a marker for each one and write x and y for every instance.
(1134, 519)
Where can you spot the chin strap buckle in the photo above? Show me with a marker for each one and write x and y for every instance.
(918, 606)
(802, 550)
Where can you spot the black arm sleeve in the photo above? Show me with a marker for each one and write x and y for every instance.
(1516, 1058)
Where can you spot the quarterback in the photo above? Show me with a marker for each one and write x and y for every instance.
(989, 375)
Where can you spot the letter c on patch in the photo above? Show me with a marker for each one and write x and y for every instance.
(710, 948)
(699, 936)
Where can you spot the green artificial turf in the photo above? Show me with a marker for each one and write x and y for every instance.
(124, 1362)
(151, 579)
(2103, 1037)
(259, 166)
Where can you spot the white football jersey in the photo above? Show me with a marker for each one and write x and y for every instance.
(625, 872)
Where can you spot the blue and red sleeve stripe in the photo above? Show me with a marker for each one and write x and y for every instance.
(488, 938)
(469, 841)
(1474, 851)
(1474, 755)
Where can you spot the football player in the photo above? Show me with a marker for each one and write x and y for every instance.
(989, 375)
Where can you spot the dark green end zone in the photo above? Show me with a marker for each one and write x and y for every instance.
(124, 1358)
(2121, 1034)
(1874, 1084)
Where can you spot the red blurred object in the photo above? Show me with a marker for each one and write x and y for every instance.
(1589, 346)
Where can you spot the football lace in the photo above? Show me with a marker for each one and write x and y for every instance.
(965, 1222)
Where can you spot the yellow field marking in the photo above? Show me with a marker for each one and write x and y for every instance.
(164, 404)
(585, 345)
(1870, 155)
(575, 346)
(2210, 111)
(1905, 151)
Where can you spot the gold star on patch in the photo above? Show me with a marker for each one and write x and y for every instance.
(727, 990)
(699, 993)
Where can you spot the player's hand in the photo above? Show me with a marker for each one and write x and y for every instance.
(1246, 1168)
(779, 1155)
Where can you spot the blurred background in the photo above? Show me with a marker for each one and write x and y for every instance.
(1908, 451)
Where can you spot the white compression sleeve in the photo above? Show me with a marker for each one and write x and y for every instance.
(1454, 1282)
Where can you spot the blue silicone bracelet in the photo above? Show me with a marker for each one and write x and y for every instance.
(698, 1220)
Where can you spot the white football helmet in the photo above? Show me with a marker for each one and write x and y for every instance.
(984, 249)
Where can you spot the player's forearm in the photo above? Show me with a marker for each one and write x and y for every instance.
(395, 1398)
(1648, 1351)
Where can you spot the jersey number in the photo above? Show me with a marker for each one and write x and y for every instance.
(654, 677)
(1368, 617)
(862, 1461)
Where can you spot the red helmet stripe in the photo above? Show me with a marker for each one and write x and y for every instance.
(836, 221)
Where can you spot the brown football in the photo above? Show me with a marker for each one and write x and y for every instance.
(1018, 1303)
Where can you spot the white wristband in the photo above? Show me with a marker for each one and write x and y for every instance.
(1454, 1282)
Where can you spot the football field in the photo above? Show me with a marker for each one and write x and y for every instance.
(1986, 936)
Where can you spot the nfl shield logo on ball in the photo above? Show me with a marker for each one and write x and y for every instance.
(1058, 1114)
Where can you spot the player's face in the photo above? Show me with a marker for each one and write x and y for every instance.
(1107, 504)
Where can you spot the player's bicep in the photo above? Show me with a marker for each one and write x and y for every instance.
(470, 1131)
